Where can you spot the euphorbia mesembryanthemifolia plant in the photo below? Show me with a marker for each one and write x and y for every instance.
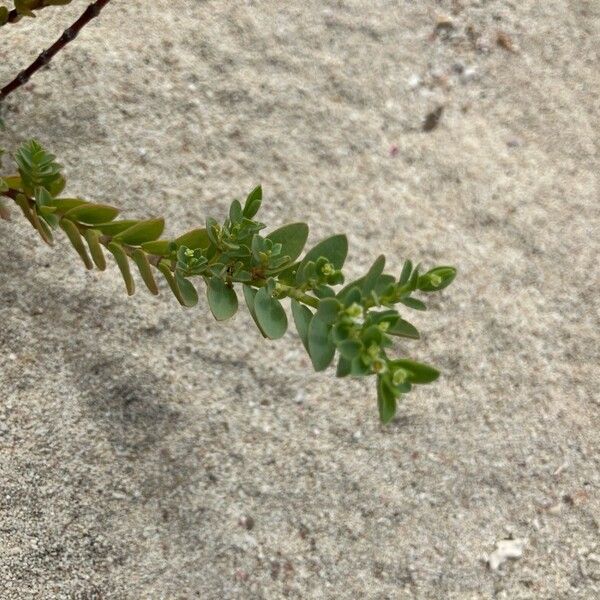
(355, 322)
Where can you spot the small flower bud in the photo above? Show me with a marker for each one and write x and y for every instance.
(373, 351)
(355, 310)
(435, 279)
(379, 366)
(328, 269)
(399, 377)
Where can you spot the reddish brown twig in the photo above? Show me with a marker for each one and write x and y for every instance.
(92, 11)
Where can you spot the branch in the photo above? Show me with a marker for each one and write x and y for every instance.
(92, 11)
(356, 323)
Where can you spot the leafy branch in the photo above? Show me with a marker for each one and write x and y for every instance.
(357, 322)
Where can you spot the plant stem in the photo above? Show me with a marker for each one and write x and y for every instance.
(92, 11)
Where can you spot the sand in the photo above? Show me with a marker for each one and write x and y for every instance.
(148, 452)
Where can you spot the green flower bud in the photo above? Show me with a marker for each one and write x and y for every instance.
(373, 351)
(328, 269)
(399, 377)
(435, 280)
(355, 310)
(379, 366)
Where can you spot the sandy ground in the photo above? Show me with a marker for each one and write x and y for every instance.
(147, 452)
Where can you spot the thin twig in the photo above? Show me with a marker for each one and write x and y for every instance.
(92, 11)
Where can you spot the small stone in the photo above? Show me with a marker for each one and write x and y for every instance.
(554, 509)
(414, 81)
(443, 24)
(469, 74)
(247, 522)
(432, 119)
(506, 549)
(505, 42)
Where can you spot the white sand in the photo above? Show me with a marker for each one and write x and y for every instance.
(136, 437)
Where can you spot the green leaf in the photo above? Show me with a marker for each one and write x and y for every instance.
(405, 329)
(302, 317)
(329, 309)
(359, 368)
(194, 239)
(386, 401)
(157, 247)
(92, 214)
(320, 346)
(349, 349)
(406, 271)
(270, 314)
(163, 267)
(187, 291)
(115, 227)
(141, 260)
(373, 275)
(414, 279)
(383, 283)
(413, 303)
(14, 182)
(417, 372)
(23, 204)
(123, 263)
(351, 293)
(75, 238)
(143, 231)
(64, 205)
(249, 296)
(92, 237)
(253, 202)
(57, 185)
(344, 367)
(292, 238)
(235, 212)
(222, 299)
(42, 197)
(436, 279)
(334, 249)
(43, 228)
